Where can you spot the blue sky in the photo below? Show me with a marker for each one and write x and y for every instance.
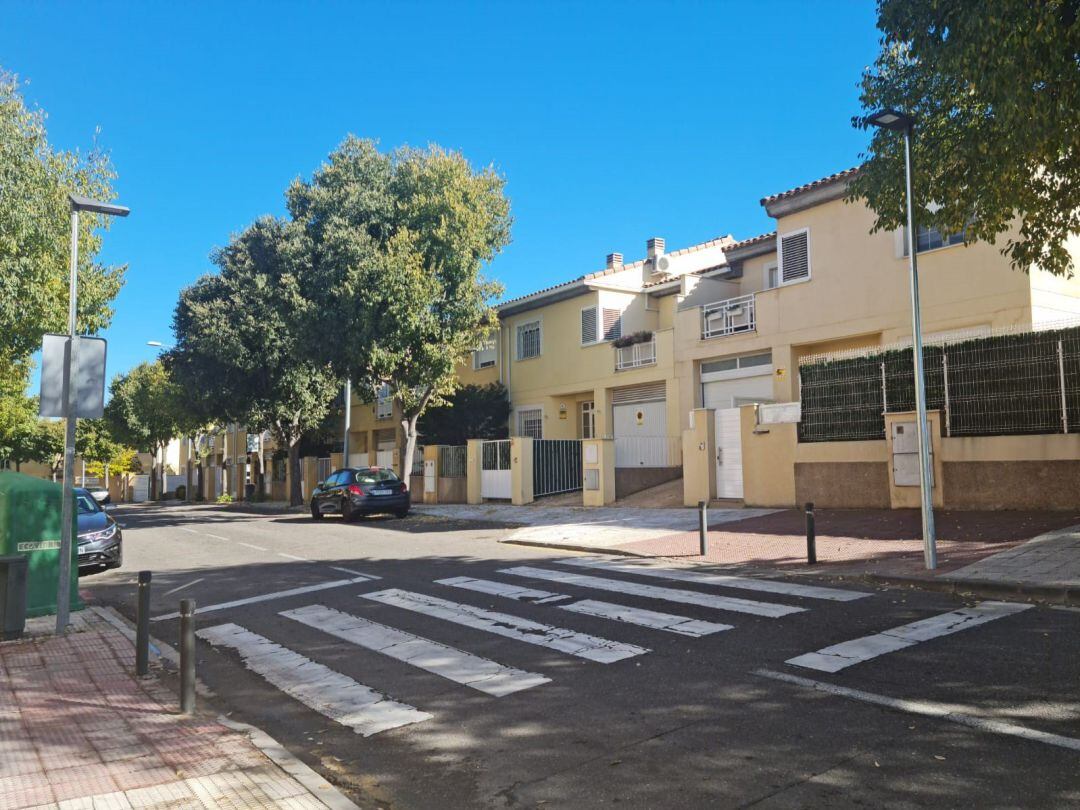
(612, 122)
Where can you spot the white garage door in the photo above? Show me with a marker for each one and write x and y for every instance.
(640, 434)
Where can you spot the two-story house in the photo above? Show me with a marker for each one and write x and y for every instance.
(822, 282)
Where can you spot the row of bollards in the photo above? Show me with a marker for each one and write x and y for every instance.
(187, 642)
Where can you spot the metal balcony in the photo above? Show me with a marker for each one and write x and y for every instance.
(636, 356)
(728, 317)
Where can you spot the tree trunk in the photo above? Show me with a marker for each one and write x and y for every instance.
(296, 496)
(409, 424)
(18, 465)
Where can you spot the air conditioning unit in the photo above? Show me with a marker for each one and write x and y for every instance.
(662, 264)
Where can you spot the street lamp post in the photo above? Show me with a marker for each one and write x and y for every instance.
(348, 414)
(901, 122)
(67, 509)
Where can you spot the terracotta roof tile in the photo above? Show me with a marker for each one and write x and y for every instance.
(753, 240)
(844, 175)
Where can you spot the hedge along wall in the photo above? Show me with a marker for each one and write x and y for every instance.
(1007, 384)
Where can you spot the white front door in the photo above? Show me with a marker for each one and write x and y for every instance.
(729, 480)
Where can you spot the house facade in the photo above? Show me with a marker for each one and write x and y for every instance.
(644, 353)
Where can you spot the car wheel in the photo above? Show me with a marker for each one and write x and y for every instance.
(347, 513)
(315, 513)
(401, 513)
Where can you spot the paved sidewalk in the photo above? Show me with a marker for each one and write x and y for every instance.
(1051, 560)
(78, 730)
(580, 527)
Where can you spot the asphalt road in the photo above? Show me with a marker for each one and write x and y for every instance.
(680, 720)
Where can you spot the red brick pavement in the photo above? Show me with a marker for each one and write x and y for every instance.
(859, 541)
(74, 722)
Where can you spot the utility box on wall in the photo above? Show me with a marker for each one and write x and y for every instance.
(905, 455)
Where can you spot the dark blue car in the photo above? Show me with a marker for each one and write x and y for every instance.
(360, 491)
(99, 537)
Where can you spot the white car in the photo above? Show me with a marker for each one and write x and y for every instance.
(100, 495)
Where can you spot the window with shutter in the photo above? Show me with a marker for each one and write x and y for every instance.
(485, 356)
(588, 325)
(795, 256)
(612, 324)
(384, 402)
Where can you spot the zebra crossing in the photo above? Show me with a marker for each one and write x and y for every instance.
(368, 711)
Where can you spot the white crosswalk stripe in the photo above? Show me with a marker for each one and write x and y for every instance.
(729, 603)
(329, 693)
(683, 625)
(504, 589)
(841, 656)
(581, 645)
(456, 665)
(649, 569)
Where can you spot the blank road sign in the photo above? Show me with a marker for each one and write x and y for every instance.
(89, 377)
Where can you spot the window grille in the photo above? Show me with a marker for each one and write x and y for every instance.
(531, 423)
(528, 340)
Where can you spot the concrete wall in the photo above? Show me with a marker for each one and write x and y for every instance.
(699, 457)
(980, 472)
(598, 455)
(629, 480)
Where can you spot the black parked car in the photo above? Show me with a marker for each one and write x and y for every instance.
(100, 540)
(360, 491)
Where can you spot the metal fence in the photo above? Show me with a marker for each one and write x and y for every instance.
(418, 460)
(452, 461)
(556, 466)
(1011, 383)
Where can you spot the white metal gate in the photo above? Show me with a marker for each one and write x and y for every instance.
(729, 479)
(495, 469)
(140, 489)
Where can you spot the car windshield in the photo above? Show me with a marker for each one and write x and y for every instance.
(376, 477)
(86, 504)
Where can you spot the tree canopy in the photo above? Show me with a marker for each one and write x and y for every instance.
(399, 241)
(243, 339)
(995, 90)
(146, 408)
(35, 179)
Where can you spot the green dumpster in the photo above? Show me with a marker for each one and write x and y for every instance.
(30, 526)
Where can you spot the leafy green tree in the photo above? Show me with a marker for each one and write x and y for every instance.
(399, 241)
(471, 412)
(35, 179)
(146, 410)
(995, 90)
(240, 340)
(95, 443)
(24, 436)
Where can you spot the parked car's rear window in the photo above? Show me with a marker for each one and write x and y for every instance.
(375, 476)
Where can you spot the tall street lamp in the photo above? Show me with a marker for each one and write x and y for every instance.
(901, 122)
(67, 516)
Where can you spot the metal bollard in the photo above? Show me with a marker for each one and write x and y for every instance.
(187, 656)
(142, 626)
(703, 526)
(811, 536)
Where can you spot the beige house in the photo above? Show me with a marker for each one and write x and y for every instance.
(662, 360)
(822, 283)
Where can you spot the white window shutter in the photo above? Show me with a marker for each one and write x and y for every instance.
(588, 325)
(612, 324)
(795, 256)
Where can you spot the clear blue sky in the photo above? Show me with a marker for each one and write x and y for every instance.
(612, 122)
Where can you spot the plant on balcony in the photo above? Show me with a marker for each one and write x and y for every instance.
(629, 340)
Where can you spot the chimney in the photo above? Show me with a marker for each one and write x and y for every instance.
(614, 261)
(655, 247)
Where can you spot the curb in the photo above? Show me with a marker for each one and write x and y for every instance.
(561, 547)
(1016, 591)
(309, 779)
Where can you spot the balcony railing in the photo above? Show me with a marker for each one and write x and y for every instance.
(635, 356)
(728, 317)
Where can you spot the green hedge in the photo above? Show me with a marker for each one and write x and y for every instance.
(1009, 384)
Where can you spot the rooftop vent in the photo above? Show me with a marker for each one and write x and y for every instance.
(614, 261)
